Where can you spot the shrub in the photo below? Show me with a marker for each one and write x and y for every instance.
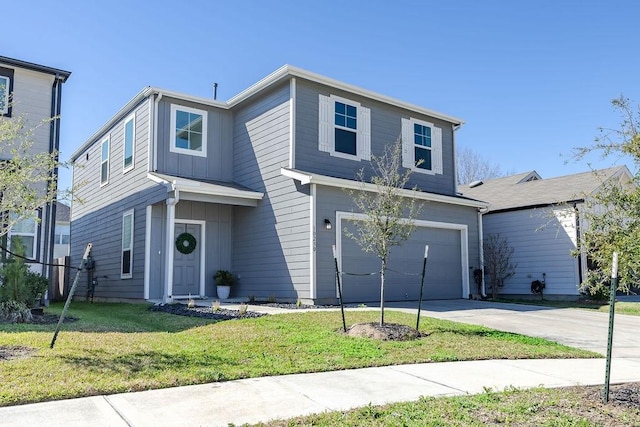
(18, 283)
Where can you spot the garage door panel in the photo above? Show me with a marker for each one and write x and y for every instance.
(444, 273)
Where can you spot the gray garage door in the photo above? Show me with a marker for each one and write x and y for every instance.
(444, 268)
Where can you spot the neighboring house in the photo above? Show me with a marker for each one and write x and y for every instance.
(542, 220)
(63, 230)
(34, 91)
(181, 186)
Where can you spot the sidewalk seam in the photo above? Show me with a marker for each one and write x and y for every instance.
(459, 390)
(117, 411)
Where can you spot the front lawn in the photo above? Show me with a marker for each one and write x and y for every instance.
(115, 348)
(570, 406)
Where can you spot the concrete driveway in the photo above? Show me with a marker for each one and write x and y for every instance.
(574, 327)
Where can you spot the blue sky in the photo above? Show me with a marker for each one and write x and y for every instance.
(531, 79)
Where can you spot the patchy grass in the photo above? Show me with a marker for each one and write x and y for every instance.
(630, 308)
(573, 406)
(126, 347)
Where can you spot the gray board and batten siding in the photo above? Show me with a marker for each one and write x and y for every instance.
(217, 165)
(271, 241)
(386, 128)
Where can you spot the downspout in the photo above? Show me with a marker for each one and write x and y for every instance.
(171, 234)
(481, 211)
(54, 145)
(578, 245)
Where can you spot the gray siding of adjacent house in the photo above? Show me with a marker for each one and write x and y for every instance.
(271, 241)
(96, 214)
(386, 128)
(542, 243)
(218, 165)
(330, 200)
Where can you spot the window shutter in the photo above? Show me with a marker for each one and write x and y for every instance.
(436, 150)
(325, 131)
(364, 133)
(407, 145)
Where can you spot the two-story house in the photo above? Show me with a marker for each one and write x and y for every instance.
(33, 92)
(181, 186)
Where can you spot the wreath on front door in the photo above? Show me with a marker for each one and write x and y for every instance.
(186, 243)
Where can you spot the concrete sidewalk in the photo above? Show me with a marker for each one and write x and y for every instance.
(267, 398)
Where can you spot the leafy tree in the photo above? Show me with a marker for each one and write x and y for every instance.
(497, 261)
(613, 214)
(390, 214)
(473, 167)
(27, 179)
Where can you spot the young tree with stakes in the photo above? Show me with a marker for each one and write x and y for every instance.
(390, 214)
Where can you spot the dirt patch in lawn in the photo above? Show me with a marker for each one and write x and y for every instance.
(15, 352)
(386, 332)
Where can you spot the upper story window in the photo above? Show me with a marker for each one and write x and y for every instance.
(104, 162)
(188, 131)
(26, 231)
(421, 146)
(5, 87)
(129, 139)
(62, 234)
(345, 128)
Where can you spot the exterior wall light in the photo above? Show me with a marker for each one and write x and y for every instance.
(327, 224)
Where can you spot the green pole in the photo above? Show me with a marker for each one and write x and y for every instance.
(612, 303)
(87, 251)
(335, 260)
(424, 268)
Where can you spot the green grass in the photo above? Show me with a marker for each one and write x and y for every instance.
(125, 347)
(630, 308)
(573, 406)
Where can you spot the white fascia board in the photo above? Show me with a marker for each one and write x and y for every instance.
(287, 71)
(184, 185)
(329, 181)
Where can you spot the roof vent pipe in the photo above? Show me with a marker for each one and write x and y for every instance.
(476, 184)
(215, 91)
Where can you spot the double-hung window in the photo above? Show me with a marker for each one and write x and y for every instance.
(62, 234)
(26, 231)
(345, 128)
(421, 146)
(104, 162)
(5, 87)
(188, 131)
(129, 138)
(127, 245)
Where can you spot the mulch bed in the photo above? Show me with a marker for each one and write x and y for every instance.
(204, 312)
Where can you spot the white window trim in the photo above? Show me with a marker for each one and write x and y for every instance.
(125, 168)
(5, 96)
(34, 248)
(106, 140)
(130, 247)
(326, 136)
(172, 143)
(408, 147)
